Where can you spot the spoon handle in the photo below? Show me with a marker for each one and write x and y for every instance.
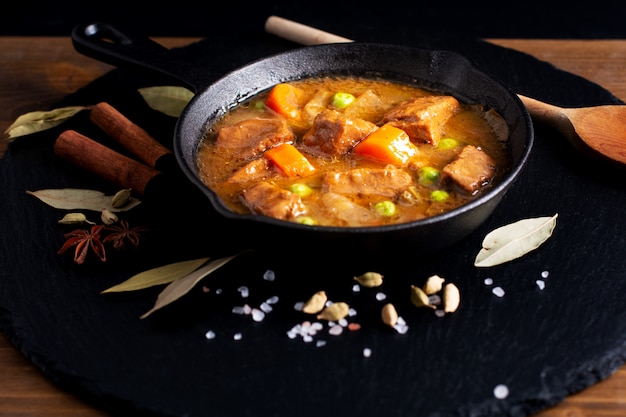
(544, 112)
(299, 33)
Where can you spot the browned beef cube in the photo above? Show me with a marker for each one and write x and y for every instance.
(269, 200)
(387, 182)
(257, 169)
(250, 138)
(470, 170)
(335, 134)
(423, 118)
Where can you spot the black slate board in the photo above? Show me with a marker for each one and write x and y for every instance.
(542, 344)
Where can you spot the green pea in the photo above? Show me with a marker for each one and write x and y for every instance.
(259, 105)
(447, 143)
(342, 100)
(428, 175)
(302, 190)
(306, 220)
(385, 208)
(439, 195)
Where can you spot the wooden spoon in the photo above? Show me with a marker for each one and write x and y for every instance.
(597, 130)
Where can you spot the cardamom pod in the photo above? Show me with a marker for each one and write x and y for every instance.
(108, 217)
(120, 198)
(316, 303)
(370, 279)
(74, 218)
(334, 312)
(451, 298)
(419, 298)
(389, 314)
(433, 284)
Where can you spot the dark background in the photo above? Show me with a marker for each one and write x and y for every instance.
(482, 19)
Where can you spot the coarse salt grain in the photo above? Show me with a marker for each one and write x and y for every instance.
(380, 296)
(269, 275)
(488, 281)
(440, 313)
(434, 299)
(298, 306)
(367, 352)
(210, 335)
(501, 391)
(498, 291)
(545, 274)
(265, 307)
(238, 310)
(401, 326)
(356, 288)
(320, 343)
(335, 330)
(541, 284)
(243, 291)
(257, 315)
(237, 336)
(272, 300)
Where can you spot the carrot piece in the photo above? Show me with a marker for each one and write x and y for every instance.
(289, 159)
(286, 100)
(388, 144)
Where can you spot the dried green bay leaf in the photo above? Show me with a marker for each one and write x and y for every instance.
(170, 100)
(514, 240)
(78, 198)
(158, 276)
(183, 285)
(38, 121)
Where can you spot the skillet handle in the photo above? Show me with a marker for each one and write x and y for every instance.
(121, 48)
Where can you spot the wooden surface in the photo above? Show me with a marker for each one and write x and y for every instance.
(37, 72)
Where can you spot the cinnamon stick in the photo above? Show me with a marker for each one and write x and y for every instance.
(131, 136)
(108, 164)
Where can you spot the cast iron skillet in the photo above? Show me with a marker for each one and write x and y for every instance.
(443, 71)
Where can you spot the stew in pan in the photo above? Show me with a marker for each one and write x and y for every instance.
(353, 152)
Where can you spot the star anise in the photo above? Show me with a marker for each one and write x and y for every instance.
(85, 240)
(121, 234)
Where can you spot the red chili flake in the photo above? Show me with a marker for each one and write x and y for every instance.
(85, 240)
(354, 327)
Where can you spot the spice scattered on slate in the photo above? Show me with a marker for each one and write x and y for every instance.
(501, 391)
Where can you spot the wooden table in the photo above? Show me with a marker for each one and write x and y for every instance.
(36, 72)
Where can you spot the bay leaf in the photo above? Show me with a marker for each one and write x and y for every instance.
(78, 198)
(38, 121)
(183, 285)
(514, 240)
(170, 100)
(158, 276)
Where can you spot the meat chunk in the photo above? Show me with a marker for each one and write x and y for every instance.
(470, 170)
(386, 182)
(336, 134)
(250, 138)
(269, 200)
(423, 118)
(347, 211)
(257, 169)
